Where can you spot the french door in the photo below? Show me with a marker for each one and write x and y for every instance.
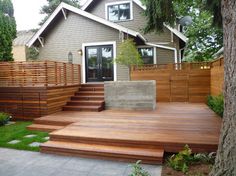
(99, 63)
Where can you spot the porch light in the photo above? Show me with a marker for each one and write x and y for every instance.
(80, 52)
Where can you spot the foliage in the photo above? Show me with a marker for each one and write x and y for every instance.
(182, 160)
(216, 103)
(137, 170)
(17, 131)
(4, 118)
(32, 53)
(52, 5)
(7, 30)
(128, 54)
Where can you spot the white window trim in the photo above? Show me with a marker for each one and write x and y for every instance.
(118, 3)
(84, 45)
(154, 52)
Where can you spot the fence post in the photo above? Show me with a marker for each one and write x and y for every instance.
(79, 75)
(55, 64)
(65, 74)
(46, 74)
(72, 73)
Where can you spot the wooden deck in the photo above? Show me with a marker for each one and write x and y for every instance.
(132, 135)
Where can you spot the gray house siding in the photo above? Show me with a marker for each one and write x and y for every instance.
(165, 56)
(137, 24)
(69, 35)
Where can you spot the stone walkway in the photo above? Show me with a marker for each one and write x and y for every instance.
(24, 163)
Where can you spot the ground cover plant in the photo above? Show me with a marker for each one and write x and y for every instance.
(216, 103)
(185, 163)
(4, 118)
(18, 132)
(137, 170)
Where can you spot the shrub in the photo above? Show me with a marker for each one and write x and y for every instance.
(137, 170)
(216, 103)
(4, 118)
(182, 160)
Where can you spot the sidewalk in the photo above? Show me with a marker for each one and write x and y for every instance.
(24, 163)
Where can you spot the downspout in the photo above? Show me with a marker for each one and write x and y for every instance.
(166, 47)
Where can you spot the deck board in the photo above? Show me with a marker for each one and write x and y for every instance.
(171, 126)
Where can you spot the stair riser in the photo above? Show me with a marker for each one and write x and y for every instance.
(87, 98)
(98, 155)
(112, 142)
(85, 104)
(91, 89)
(89, 93)
(92, 85)
(40, 129)
(83, 109)
(56, 123)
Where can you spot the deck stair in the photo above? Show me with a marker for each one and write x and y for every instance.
(90, 97)
(111, 149)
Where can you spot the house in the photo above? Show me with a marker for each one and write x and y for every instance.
(89, 36)
(20, 49)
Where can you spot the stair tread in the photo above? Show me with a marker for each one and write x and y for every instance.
(142, 152)
(82, 106)
(90, 101)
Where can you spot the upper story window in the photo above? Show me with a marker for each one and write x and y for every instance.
(119, 11)
(147, 55)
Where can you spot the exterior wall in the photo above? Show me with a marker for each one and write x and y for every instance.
(165, 56)
(137, 24)
(69, 35)
(19, 53)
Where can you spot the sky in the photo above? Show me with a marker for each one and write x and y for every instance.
(27, 13)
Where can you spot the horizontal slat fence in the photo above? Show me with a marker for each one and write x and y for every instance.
(217, 76)
(38, 74)
(185, 82)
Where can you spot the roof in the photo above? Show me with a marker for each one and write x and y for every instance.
(140, 4)
(84, 14)
(22, 38)
(88, 2)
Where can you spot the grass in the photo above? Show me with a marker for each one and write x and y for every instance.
(17, 131)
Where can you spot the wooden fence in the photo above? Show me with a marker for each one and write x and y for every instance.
(38, 74)
(185, 82)
(217, 76)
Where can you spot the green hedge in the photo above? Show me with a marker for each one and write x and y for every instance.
(216, 103)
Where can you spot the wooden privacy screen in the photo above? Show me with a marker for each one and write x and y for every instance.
(185, 82)
(217, 76)
(33, 89)
(38, 74)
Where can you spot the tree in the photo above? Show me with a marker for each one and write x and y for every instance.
(7, 30)
(52, 5)
(128, 54)
(204, 39)
(223, 12)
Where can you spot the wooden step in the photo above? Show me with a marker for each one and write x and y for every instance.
(95, 93)
(85, 103)
(51, 122)
(87, 97)
(91, 89)
(118, 153)
(83, 108)
(44, 128)
(92, 85)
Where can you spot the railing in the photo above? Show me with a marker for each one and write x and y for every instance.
(174, 67)
(38, 74)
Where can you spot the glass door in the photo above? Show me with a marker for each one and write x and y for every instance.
(99, 63)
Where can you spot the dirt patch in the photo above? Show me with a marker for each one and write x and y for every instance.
(194, 170)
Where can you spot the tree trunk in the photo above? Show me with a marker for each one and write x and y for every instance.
(226, 155)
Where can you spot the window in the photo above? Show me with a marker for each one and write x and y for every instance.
(147, 55)
(119, 11)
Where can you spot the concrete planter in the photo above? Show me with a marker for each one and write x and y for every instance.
(137, 95)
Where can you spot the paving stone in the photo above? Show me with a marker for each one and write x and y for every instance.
(35, 144)
(14, 142)
(30, 136)
(10, 123)
(47, 138)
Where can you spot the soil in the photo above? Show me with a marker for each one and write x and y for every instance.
(194, 170)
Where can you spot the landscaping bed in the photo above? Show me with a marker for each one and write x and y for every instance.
(15, 135)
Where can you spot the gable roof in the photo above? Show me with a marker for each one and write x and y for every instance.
(22, 38)
(140, 4)
(88, 2)
(85, 14)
